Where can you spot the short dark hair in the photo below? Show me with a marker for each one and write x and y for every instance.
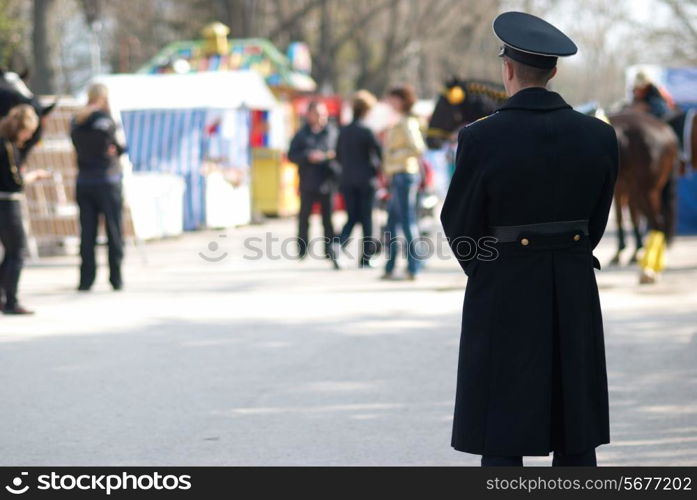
(406, 93)
(531, 75)
(314, 104)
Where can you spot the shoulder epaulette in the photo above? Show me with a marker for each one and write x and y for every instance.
(482, 118)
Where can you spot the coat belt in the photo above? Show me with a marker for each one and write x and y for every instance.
(507, 234)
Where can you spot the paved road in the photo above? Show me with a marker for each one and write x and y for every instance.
(284, 362)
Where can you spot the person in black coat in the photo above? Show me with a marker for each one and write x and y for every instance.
(313, 150)
(16, 132)
(98, 189)
(527, 204)
(359, 154)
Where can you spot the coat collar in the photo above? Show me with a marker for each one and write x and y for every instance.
(535, 98)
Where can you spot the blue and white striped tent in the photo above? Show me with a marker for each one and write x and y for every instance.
(170, 140)
(173, 123)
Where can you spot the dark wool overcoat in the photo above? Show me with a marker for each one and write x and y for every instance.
(531, 374)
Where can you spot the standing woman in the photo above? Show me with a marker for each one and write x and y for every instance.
(16, 130)
(359, 154)
(98, 189)
(403, 148)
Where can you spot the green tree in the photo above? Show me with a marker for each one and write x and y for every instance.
(11, 31)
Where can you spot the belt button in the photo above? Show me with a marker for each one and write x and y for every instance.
(525, 242)
(577, 237)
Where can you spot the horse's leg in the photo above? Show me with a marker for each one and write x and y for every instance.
(653, 260)
(667, 203)
(655, 239)
(669, 193)
(621, 245)
(636, 227)
(648, 203)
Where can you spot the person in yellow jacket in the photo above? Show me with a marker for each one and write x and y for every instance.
(404, 145)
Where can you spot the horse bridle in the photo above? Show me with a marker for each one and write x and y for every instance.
(439, 133)
(473, 88)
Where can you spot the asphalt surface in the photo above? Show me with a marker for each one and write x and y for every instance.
(269, 361)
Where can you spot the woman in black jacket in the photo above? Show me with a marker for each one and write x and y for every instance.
(16, 131)
(98, 189)
(359, 154)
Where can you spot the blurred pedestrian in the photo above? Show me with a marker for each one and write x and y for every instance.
(98, 189)
(313, 150)
(16, 131)
(404, 145)
(359, 155)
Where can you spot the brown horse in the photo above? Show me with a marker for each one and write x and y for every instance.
(646, 183)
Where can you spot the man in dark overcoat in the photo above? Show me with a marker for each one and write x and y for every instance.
(530, 195)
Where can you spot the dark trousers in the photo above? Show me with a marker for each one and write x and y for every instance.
(95, 200)
(307, 200)
(359, 209)
(560, 460)
(14, 243)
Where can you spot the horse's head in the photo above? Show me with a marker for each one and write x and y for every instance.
(462, 102)
(13, 91)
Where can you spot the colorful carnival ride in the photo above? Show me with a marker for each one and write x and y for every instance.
(273, 179)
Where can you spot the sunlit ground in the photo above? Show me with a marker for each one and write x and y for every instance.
(285, 362)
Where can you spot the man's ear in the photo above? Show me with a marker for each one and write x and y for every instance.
(508, 70)
(554, 72)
